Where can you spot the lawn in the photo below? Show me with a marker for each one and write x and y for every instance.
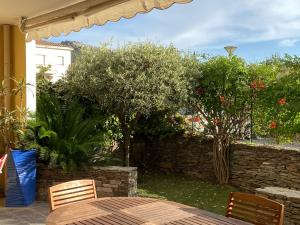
(195, 193)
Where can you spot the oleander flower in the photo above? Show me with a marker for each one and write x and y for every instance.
(273, 124)
(281, 101)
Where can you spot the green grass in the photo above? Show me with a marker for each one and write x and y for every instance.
(179, 189)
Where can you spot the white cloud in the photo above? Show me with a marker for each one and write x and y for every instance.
(288, 42)
(208, 23)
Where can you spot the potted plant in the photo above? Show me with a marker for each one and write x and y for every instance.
(21, 163)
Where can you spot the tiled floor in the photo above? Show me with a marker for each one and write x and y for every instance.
(34, 214)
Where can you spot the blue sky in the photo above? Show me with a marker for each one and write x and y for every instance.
(259, 28)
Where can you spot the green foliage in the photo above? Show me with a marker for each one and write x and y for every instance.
(64, 138)
(220, 91)
(12, 121)
(129, 81)
(277, 111)
(160, 125)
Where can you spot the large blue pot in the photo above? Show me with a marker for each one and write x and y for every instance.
(21, 178)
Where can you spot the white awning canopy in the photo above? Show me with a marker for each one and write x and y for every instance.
(45, 18)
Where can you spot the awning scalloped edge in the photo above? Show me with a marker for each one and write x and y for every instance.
(96, 16)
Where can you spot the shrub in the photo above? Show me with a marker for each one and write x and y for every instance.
(64, 138)
(277, 111)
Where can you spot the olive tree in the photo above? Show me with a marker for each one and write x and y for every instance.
(129, 82)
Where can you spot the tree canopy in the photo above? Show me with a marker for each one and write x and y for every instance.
(129, 81)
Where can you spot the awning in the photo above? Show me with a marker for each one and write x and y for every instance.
(85, 14)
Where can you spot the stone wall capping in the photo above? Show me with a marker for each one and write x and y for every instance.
(109, 181)
(116, 168)
(264, 146)
(289, 193)
(288, 197)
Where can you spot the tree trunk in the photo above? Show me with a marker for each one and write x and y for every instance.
(126, 146)
(221, 159)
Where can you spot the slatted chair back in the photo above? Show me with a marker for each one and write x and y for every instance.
(70, 192)
(255, 209)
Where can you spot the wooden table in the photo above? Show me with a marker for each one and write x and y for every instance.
(134, 211)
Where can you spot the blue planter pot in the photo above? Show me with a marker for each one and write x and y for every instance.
(21, 178)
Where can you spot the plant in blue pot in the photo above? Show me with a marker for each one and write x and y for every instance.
(21, 161)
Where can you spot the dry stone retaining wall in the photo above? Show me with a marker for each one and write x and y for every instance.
(110, 181)
(191, 156)
(252, 166)
(262, 166)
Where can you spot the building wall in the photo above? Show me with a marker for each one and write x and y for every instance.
(52, 58)
(33, 60)
(31, 76)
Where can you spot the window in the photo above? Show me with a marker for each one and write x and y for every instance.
(60, 60)
(41, 60)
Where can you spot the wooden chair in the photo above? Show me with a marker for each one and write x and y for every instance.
(254, 209)
(70, 192)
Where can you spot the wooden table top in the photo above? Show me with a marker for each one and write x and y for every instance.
(134, 211)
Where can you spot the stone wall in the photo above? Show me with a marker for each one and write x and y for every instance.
(110, 181)
(252, 166)
(190, 156)
(262, 166)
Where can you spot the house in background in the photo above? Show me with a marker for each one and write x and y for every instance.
(44, 53)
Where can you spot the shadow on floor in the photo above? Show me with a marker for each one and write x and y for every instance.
(34, 214)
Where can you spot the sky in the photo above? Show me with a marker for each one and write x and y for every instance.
(259, 28)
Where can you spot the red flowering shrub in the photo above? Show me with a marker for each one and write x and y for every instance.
(280, 101)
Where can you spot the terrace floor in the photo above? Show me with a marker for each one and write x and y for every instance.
(35, 214)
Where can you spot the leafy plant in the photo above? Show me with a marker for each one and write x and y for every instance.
(12, 119)
(277, 111)
(160, 124)
(64, 137)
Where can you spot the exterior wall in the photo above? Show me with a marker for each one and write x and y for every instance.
(51, 54)
(110, 181)
(51, 58)
(31, 76)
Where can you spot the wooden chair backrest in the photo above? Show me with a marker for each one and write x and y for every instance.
(70, 192)
(255, 209)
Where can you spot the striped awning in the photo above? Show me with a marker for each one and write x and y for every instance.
(86, 14)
